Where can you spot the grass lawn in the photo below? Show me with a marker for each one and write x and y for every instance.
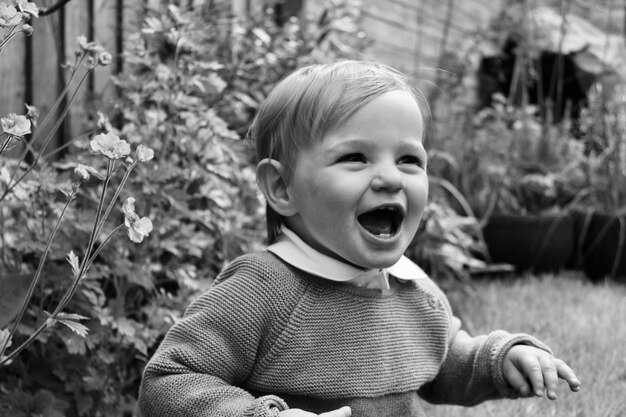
(584, 324)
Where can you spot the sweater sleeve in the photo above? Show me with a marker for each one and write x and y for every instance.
(472, 369)
(204, 359)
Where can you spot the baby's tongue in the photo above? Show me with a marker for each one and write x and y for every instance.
(375, 223)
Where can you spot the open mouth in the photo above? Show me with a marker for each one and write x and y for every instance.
(384, 221)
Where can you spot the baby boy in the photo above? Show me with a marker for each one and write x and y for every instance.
(332, 320)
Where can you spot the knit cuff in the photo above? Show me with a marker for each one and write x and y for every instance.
(267, 406)
(500, 349)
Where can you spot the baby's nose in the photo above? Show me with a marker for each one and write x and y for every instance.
(388, 178)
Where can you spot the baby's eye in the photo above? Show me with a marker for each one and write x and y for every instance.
(412, 160)
(352, 157)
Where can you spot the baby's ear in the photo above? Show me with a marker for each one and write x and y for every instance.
(271, 176)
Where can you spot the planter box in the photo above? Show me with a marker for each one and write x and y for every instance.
(536, 244)
(600, 252)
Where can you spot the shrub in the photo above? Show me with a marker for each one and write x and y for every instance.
(193, 81)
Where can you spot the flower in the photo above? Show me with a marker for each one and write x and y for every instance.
(138, 228)
(104, 58)
(110, 145)
(15, 125)
(9, 16)
(5, 176)
(91, 62)
(96, 54)
(84, 172)
(104, 123)
(144, 153)
(28, 7)
(27, 29)
(84, 45)
(32, 113)
(81, 171)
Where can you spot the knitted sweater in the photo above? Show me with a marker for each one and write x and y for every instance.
(268, 336)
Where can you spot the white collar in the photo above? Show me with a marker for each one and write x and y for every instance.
(293, 250)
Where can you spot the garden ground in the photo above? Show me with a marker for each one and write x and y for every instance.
(582, 322)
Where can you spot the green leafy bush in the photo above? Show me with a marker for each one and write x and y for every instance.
(193, 82)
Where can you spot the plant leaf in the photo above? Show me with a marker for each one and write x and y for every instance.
(75, 326)
(70, 320)
(74, 262)
(4, 335)
(71, 316)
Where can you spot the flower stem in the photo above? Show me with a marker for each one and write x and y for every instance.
(50, 133)
(116, 194)
(8, 37)
(35, 280)
(6, 143)
(103, 244)
(87, 262)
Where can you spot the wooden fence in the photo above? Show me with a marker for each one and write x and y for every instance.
(412, 35)
(408, 34)
(30, 67)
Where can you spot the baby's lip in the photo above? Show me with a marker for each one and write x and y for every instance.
(395, 207)
(383, 219)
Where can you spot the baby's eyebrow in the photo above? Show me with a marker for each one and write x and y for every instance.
(359, 144)
(417, 148)
(351, 145)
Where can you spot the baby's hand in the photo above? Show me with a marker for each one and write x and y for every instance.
(529, 370)
(341, 412)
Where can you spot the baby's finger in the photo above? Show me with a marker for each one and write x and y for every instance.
(550, 376)
(340, 412)
(566, 373)
(517, 380)
(532, 368)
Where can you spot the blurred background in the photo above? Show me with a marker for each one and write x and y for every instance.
(526, 135)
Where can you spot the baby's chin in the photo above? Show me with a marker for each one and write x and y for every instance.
(384, 262)
(373, 260)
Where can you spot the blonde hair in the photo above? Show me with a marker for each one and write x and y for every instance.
(308, 103)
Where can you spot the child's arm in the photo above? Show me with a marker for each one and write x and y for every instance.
(487, 367)
(201, 365)
(529, 370)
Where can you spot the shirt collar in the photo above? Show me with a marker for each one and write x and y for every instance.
(293, 250)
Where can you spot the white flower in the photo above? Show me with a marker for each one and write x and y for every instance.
(138, 228)
(144, 153)
(27, 29)
(85, 45)
(84, 172)
(96, 54)
(32, 113)
(104, 58)
(110, 145)
(5, 176)
(81, 171)
(15, 125)
(128, 207)
(28, 7)
(104, 123)
(9, 16)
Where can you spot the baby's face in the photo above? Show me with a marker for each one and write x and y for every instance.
(361, 191)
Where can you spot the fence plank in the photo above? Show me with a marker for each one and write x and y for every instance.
(12, 86)
(76, 24)
(12, 76)
(133, 13)
(104, 35)
(45, 69)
